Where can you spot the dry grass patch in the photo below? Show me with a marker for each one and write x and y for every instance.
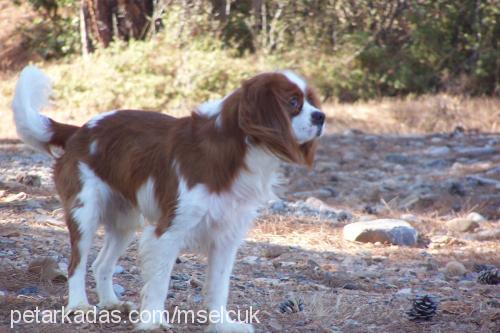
(423, 114)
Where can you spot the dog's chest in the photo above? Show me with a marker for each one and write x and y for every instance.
(229, 214)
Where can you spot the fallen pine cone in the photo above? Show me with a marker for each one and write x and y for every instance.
(489, 276)
(424, 308)
(292, 306)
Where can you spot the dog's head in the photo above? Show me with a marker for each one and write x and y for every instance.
(279, 111)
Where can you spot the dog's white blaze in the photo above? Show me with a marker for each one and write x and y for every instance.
(302, 126)
(93, 147)
(96, 119)
(300, 82)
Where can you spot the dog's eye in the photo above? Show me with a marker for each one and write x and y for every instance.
(294, 102)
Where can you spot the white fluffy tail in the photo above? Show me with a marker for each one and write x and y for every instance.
(32, 94)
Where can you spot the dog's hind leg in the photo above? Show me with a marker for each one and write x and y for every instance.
(83, 217)
(119, 234)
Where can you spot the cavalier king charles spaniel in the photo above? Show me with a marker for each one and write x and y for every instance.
(193, 183)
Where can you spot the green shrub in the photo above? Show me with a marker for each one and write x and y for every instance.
(349, 49)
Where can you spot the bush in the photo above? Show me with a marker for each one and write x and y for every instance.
(350, 49)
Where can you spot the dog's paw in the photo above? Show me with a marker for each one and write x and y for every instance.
(78, 308)
(123, 306)
(232, 327)
(149, 326)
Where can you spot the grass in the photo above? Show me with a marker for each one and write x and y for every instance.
(422, 114)
(89, 86)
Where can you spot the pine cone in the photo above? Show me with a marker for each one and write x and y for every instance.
(424, 308)
(292, 306)
(482, 267)
(489, 276)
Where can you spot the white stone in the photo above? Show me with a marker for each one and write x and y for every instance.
(391, 231)
(119, 290)
(438, 151)
(118, 269)
(404, 291)
(476, 217)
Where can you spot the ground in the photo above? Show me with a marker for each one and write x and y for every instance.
(299, 253)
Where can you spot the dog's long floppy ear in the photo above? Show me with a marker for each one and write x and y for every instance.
(263, 117)
(308, 150)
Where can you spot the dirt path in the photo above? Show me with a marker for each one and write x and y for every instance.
(345, 286)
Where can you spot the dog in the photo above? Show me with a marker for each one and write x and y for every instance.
(194, 183)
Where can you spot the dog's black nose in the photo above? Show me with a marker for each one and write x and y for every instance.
(317, 118)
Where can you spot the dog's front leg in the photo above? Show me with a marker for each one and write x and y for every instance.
(220, 260)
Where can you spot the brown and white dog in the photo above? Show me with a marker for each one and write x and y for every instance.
(191, 183)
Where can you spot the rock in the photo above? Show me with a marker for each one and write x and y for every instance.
(397, 159)
(476, 151)
(47, 269)
(322, 193)
(350, 286)
(404, 291)
(482, 181)
(180, 277)
(486, 235)
(28, 291)
(441, 239)
(454, 268)
(277, 206)
(118, 269)
(275, 325)
(180, 286)
(273, 251)
(311, 207)
(466, 283)
(369, 210)
(476, 217)
(409, 218)
(29, 180)
(351, 325)
(344, 216)
(196, 298)
(118, 289)
(316, 203)
(418, 201)
(313, 264)
(438, 164)
(493, 171)
(250, 260)
(267, 281)
(462, 225)
(436, 151)
(391, 231)
(336, 279)
(458, 131)
(457, 188)
(195, 283)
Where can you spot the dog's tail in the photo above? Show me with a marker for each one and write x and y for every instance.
(32, 93)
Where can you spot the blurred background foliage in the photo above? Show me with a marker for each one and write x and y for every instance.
(157, 53)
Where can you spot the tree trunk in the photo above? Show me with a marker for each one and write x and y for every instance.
(105, 20)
